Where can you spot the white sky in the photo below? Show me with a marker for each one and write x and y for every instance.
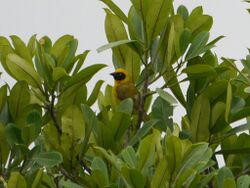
(85, 20)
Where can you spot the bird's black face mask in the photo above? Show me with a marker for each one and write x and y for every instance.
(118, 75)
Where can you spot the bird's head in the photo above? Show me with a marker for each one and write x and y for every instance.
(121, 76)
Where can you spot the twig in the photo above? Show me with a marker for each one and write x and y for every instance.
(53, 115)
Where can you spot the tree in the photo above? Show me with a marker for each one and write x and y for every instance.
(51, 137)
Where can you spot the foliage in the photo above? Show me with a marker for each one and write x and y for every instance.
(50, 135)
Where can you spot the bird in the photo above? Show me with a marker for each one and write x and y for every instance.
(123, 86)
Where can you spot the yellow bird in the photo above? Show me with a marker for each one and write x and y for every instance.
(124, 87)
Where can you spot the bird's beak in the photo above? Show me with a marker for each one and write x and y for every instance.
(112, 74)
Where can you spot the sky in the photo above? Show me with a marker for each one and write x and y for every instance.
(85, 20)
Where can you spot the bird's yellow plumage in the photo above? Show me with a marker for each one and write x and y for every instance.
(123, 86)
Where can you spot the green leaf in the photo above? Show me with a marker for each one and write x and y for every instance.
(133, 65)
(200, 118)
(48, 159)
(146, 150)
(161, 175)
(166, 96)
(197, 22)
(147, 126)
(80, 58)
(67, 61)
(21, 49)
(228, 101)
(162, 111)
(115, 31)
(126, 106)
(100, 171)
(116, 10)
(19, 98)
(73, 124)
(21, 70)
(91, 126)
(156, 17)
(243, 181)
(32, 45)
(129, 156)
(197, 46)
(16, 181)
(93, 96)
(113, 45)
(133, 177)
(4, 146)
(183, 12)
(84, 75)
(68, 184)
(13, 134)
(199, 70)
(185, 39)
(60, 44)
(59, 73)
(3, 96)
(196, 158)
(225, 178)
(135, 26)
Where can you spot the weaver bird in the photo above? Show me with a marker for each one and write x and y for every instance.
(124, 87)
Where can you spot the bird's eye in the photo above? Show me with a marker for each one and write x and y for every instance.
(119, 76)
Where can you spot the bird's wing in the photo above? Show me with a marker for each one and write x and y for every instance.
(126, 91)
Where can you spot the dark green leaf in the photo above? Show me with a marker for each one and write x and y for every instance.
(48, 159)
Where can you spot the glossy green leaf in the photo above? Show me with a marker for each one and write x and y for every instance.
(147, 126)
(84, 75)
(217, 111)
(59, 73)
(21, 49)
(126, 106)
(3, 96)
(161, 175)
(115, 31)
(146, 150)
(94, 94)
(183, 11)
(67, 60)
(48, 159)
(156, 17)
(200, 118)
(80, 60)
(162, 111)
(68, 184)
(21, 70)
(135, 25)
(199, 70)
(100, 171)
(225, 178)
(133, 65)
(5, 49)
(129, 156)
(197, 46)
(114, 44)
(32, 45)
(133, 177)
(185, 39)
(166, 96)
(228, 101)
(73, 124)
(4, 146)
(198, 22)
(196, 159)
(243, 181)
(116, 10)
(19, 98)
(91, 126)
(60, 44)
(16, 181)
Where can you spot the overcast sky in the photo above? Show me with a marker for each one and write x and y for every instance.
(85, 20)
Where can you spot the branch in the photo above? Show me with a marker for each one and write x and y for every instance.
(53, 115)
